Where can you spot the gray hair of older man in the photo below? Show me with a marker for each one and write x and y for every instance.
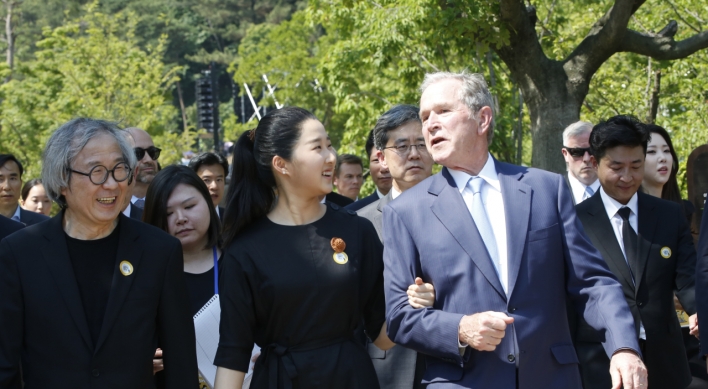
(391, 120)
(574, 130)
(66, 143)
(474, 93)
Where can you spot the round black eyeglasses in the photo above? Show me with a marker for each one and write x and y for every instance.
(99, 173)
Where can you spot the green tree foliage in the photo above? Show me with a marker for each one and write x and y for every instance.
(625, 83)
(349, 79)
(550, 48)
(90, 67)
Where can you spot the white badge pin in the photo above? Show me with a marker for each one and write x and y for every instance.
(126, 268)
(665, 252)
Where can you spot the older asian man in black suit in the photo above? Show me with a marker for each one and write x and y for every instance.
(87, 294)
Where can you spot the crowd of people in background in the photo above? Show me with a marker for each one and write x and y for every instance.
(484, 275)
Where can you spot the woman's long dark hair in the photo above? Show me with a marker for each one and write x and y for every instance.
(252, 189)
(28, 186)
(670, 191)
(160, 190)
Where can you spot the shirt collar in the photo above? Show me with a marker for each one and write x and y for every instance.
(16, 215)
(378, 193)
(612, 205)
(579, 186)
(133, 199)
(574, 182)
(394, 193)
(488, 173)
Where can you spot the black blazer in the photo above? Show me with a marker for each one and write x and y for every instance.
(8, 226)
(29, 218)
(44, 325)
(136, 213)
(336, 198)
(357, 205)
(661, 225)
(221, 213)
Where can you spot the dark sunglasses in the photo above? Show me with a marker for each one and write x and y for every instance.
(578, 152)
(152, 151)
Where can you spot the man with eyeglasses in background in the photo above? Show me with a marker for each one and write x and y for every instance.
(147, 155)
(582, 176)
(400, 148)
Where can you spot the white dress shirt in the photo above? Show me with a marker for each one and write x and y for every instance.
(126, 211)
(578, 188)
(378, 193)
(494, 206)
(394, 193)
(611, 207)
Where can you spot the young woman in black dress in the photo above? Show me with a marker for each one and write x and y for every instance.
(298, 275)
(179, 203)
(660, 170)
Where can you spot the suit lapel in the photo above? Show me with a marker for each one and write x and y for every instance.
(600, 227)
(451, 210)
(570, 187)
(384, 201)
(56, 256)
(647, 223)
(120, 286)
(517, 208)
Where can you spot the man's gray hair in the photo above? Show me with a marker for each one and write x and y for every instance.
(474, 93)
(575, 129)
(391, 120)
(66, 143)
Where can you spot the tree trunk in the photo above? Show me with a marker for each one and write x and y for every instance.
(9, 37)
(553, 99)
(548, 120)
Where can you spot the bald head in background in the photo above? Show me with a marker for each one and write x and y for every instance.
(147, 166)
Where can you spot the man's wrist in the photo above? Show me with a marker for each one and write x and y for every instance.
(460, 337)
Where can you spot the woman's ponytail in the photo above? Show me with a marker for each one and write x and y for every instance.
(252, 189)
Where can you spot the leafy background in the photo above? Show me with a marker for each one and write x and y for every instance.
(136, 61)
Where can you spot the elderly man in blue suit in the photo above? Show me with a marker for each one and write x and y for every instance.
(503, 247)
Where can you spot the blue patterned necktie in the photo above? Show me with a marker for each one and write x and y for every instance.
(140, 203)
(588, 193)
(481, 220)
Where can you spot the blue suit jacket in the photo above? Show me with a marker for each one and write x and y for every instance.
(430, 233)
(357, 205)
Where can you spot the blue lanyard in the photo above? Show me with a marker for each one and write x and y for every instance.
(216, 273)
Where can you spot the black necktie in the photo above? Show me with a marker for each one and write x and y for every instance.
(629, 238)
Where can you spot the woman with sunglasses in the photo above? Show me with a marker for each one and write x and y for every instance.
(178, 202)
(660, 169)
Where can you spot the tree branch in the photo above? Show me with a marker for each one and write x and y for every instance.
(662, 47)
(524, 50)
(603, 39)
(673, 6)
